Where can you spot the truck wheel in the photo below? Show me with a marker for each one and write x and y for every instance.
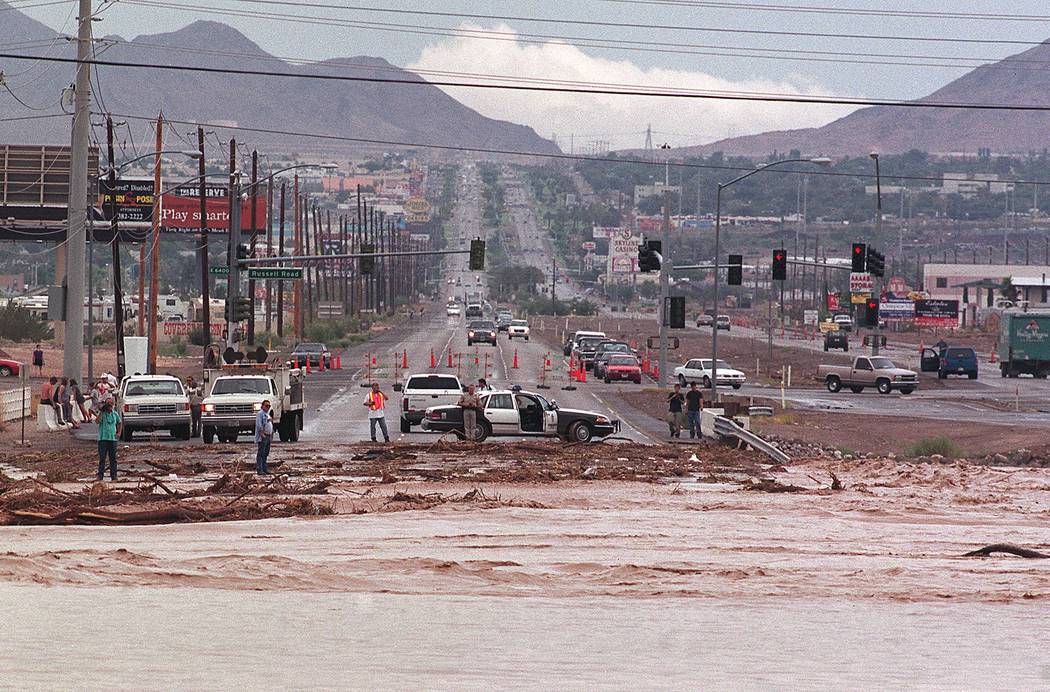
(942, 375)
(607, 380)
(406, 427)
(845, 349)
(825, 345)
(1002, 369)
(208, 434)
(282, 429)
(295, 427)
(182, 432)
(883, 386)
(972, 376)
(906, 390)
(833, 384)
(1013, 374)
(526, 338)
(856, 390)
(736, 386)
(580, 432)
(127, 433)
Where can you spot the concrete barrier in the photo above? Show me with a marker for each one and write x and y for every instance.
(11, 404)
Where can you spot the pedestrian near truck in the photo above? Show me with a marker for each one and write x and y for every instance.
(263, 437)
(470, 403)
(694, 404)
(109, 428)
(376, 404)
(675, 417)
(196, 396)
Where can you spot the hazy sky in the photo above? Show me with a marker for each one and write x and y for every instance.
(550, 53)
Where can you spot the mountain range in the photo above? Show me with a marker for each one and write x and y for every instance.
(1019, 79)
(367, 110)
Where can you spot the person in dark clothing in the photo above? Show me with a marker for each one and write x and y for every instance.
(38, 359)
(675, 417)
(109, 429)
(694, 404)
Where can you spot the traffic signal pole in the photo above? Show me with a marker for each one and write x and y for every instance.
(234, 283)
(664, 287)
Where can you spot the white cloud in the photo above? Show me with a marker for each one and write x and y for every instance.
(621, 119)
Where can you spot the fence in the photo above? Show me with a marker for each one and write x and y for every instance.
(11, 404)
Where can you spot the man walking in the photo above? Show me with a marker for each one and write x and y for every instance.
(38, 359)
(376, 404)
(196, 397)
(109, 428)
(694, 404)
(675, 417)
(470, 403)
(263, 438)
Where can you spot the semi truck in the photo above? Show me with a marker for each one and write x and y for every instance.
(1024, 344)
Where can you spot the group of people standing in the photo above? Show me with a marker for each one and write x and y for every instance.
(683, 410)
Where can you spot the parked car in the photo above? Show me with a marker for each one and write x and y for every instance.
(699, 370)
(518, 329)
(705, 320)
(844, 321)
(423, 391)
(837, 339)
(622, 367)
(585, 350)
(312, 353)
(722, 322)
(951, 361)
(452, 310)
(877, 371)
(605, 350)
(518, 412)
(570, 343)
(9, 368)
(481, 330)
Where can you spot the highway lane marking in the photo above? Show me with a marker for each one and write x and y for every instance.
(621, 417)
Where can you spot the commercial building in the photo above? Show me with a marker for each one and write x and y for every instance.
(986, 285)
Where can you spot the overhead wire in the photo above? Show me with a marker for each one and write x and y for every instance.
(708, 94)
(837, 10)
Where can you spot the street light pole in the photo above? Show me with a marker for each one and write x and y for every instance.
(878, 235)
(820, 161)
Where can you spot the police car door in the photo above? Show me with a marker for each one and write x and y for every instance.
(501, 414)
(550, 417)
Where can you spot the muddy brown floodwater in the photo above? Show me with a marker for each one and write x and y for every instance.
(676, 582)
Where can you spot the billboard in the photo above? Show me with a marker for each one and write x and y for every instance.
(897, 309)
(134, 198)
(34, 181)
(181, 209)
(936, 313)
(623, 252)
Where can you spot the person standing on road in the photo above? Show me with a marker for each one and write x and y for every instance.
(694, 404)
(79, 399)
(196, 396)
(38, 359)
(376, 403)
(470, 403)
(263, 438)
(109, 429)
(483, 385)
(675, 418)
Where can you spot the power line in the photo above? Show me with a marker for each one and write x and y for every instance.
(825, 9)
(534, 154)
(637, 25)
(711, 94)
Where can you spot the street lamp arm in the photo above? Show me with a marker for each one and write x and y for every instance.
(190, 154)
(770, 165)
(324, 166)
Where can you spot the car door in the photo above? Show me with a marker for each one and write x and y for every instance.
(502, 415)
(929, 361)
(550, 417)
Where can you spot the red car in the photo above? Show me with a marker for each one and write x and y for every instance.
(8, 368)
(623, 368)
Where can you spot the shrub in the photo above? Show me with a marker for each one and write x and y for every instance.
(18, 324)
(935, 445)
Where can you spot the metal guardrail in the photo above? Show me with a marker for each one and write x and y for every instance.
(727, 428)
(11, 404)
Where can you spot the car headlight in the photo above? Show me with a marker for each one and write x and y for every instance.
(470, 333)
(257, 407)
(208, 408)
(131, 408)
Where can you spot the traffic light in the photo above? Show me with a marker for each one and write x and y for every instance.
(860, 257)
(675, 312)
(649, 256)
(239, 310)
(780, 265)
(477, 255)
(735, 275)
(876, 262)
(871, 313)
(368, 264)
(243, 251)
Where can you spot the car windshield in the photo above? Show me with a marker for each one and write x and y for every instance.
(960, 353)
(589, 344)
(615, 348)
(520, 323)
(706, 364)
(882, 363)
(547, 406)
(241, 385)
(309, 348)
(623, 360)
(152, 387)
(481, 325)
(436, 382)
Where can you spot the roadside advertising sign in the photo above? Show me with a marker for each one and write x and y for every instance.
(181, 209)
(605, 232)
(828, 326)
(896, 308)
(809, 317)
(936, 313)
(833, 302)
(589, 245)
(417, 210)
(898, 285)
(861, 282)
(134, 198)
(623, 252)
(859, 298)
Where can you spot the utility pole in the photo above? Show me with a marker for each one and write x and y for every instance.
(154, 276)
(76, 219)
(205, 269)
(878, 234)
(269, 252)
(665, 249)
(233, 291)
(280, 284)
(255, 232)
(118, 292)
(554, 287)
(297, 324)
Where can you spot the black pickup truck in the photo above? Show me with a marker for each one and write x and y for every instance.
(517, 412)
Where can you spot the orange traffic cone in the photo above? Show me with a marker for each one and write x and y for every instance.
(338, 363)
(450, 358)
(433, 360)
(992, 360)
(307, 366)
(583, 372)
(922, 347)
(404, 359)
(515, 365)
(320, 364)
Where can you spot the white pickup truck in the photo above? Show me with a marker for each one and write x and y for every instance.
(236, 393)
(424, 391)
(153, 402)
